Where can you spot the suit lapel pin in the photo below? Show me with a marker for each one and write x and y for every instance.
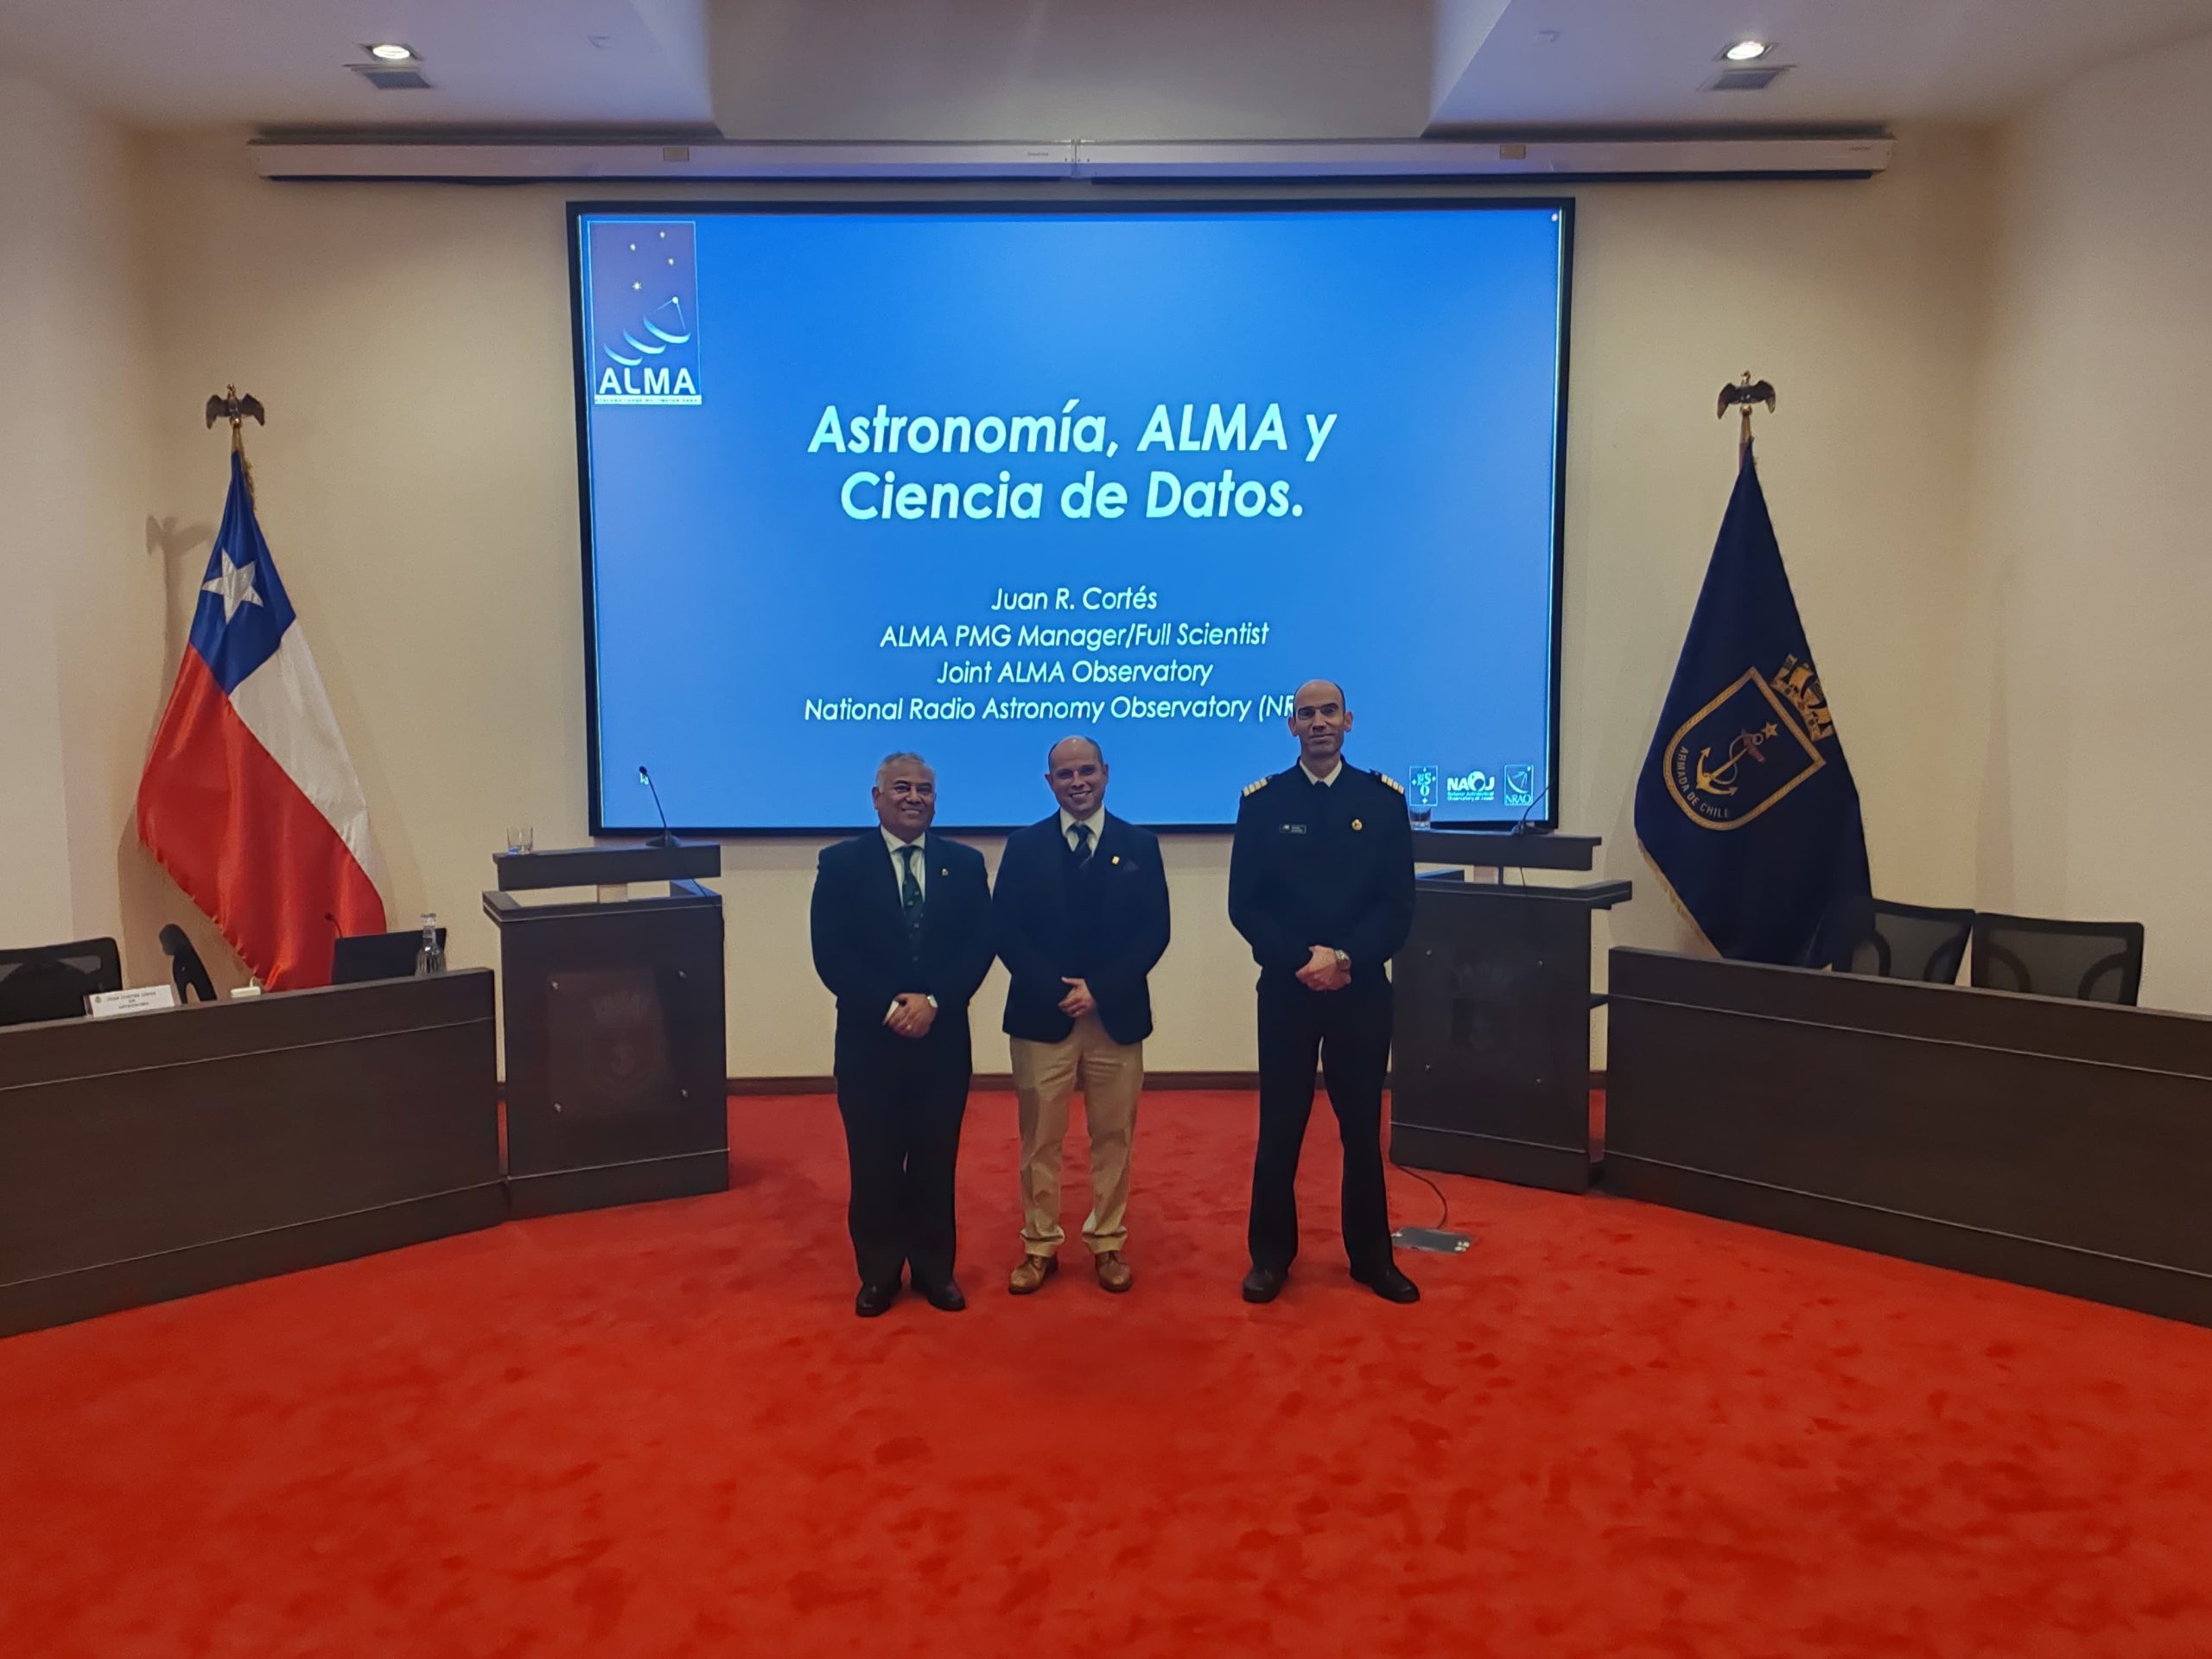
(1355, 823)
(1115, 860)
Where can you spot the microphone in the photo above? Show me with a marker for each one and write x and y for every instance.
(186, 969)
(667, 837)
(336, 930)
(1522, 828)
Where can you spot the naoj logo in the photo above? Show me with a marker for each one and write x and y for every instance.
(1476, 786)
(643, 278)
(1750, 747)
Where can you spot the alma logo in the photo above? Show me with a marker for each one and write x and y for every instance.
(651, 385)
(642, 276)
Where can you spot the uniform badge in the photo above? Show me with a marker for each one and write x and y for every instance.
(1355, 823)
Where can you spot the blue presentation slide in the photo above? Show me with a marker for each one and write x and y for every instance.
(965, 482)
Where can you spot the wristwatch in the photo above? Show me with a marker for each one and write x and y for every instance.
(1343, 961)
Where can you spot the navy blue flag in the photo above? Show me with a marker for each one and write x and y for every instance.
(1746, 805)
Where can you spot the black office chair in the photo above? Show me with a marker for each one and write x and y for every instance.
(2093, 961)
(1894, 941)
(51, 982)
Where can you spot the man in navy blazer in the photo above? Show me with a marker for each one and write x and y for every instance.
(1082, 904)
(902, 936)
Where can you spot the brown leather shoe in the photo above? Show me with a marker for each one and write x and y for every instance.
(1114, 1273)
(1030, 1275)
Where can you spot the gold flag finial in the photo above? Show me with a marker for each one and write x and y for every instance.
(1740, 395)
(234, 406)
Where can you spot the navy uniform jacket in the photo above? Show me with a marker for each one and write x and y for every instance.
(1034, 900)
(860, 951)
(1327, 865)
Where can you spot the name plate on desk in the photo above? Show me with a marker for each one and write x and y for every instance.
(144, 999)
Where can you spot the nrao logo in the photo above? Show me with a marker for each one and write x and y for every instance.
(643, 279)
(1476, 786)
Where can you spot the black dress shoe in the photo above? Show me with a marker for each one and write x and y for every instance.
(1389, 1283)
(945, 1298)
(875, 1300)
(1264, 1284)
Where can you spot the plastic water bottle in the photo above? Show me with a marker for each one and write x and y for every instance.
(429, 955)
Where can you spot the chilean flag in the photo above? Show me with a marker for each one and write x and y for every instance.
(249, 798)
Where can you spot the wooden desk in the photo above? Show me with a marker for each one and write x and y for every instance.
(2053, 1143)
(153, 1155)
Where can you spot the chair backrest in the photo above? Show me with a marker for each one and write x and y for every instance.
(51, 982)
(1921, 942)
(2093, 961)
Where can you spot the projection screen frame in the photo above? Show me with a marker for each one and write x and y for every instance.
(1098, 199)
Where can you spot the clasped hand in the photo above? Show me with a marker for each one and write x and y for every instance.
(1322, 971)
(912, 1014)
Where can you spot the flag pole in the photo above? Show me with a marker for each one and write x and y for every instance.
(1741, 396)
(230, 403)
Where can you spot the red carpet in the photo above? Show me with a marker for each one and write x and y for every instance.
(1608, 1430)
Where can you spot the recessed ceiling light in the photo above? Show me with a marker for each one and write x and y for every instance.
(1748, 51)
(392, 52)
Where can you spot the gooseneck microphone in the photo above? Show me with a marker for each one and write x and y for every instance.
(667, 837)
(1535, 801)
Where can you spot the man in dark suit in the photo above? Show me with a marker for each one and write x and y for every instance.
(902, 936)
(1321, 886)
(1082, 904)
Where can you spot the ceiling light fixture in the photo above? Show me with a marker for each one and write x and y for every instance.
(392, 52)
(1748, 51)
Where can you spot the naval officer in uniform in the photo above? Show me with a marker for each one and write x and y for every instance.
(1321, 886)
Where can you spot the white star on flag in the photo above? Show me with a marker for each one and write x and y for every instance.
(235, 585)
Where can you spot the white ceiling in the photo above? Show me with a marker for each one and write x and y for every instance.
(1645, 61)
(1044, 69)
(506, 63)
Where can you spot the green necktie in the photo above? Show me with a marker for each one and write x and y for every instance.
(910, 896)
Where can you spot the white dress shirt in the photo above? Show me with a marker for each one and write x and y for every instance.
(1096, 822)
(899, 864)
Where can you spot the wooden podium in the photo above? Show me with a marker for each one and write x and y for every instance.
(1490, 1066)
(616, 1073)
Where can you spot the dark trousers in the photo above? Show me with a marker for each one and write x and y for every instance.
(1349, 1031)
(902, 1108)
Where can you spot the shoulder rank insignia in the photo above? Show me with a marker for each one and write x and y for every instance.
(1392, 782)
(1262, 784)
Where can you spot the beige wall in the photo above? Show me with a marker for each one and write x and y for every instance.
(418, 486)
(2094, 514)
(1986, 474)
(80, 586)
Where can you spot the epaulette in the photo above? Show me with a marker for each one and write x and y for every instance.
(1393, 782)
(1259, 785)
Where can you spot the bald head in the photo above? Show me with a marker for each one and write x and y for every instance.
(1319, 721)
(1075, 769)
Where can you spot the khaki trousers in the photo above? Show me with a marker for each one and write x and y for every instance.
(1045, 1076)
